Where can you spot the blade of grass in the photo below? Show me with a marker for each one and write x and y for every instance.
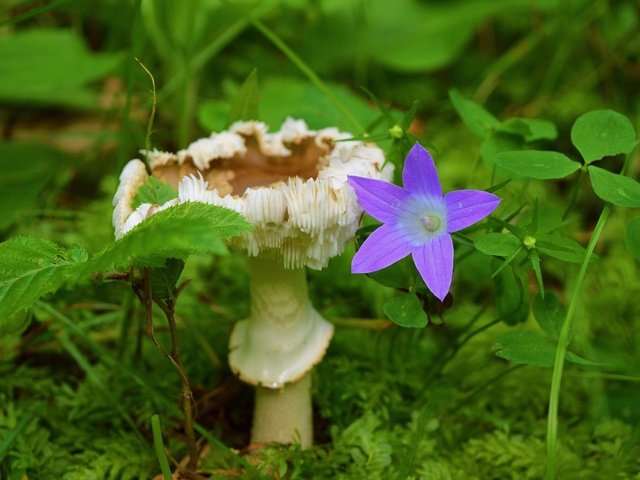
(6, 443)
(309, 73)
(94, 378)
(158, 398)
(33, 13)
(158, 444)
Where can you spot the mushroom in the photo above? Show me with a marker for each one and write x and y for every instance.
(292, 187)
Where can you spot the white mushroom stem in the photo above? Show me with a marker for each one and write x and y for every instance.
(275, 349)
(284, 415)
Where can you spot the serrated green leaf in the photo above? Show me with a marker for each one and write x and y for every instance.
(602, 133)
(406, 311)
(614, 188)
(497, 244)
(561, 248)
(32, 267)
(50, 67)
(474, 115)
(539, 164)
(549, 313)
(245, 104)
(154, 192)
(632, 237)
(177, 232)
(530, 129)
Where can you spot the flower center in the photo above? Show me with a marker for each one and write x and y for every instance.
(431, 222)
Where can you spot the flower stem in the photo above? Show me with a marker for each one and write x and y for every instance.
(561, 349)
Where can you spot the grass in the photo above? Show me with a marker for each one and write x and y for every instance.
(82, 390)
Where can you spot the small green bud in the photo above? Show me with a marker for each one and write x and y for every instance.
(529, 242)
(396, 132)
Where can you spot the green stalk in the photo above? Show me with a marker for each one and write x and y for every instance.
(561, 349)
(313, 77)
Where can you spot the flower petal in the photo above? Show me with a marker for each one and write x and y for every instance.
(384, 201)
(385, 246)
(434, 261)
(466, 207)
(420, 174)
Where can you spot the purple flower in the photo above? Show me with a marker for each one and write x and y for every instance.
(418, 220)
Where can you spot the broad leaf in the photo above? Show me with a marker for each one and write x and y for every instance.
(561, 248)
(529, 348)
(633, 238)
(164, 279)
(282, 97)
(32, 267)
(179, 231)
(406, 311)
(512, 296)
(245, 104)
(530, 129)
(525, 347)
(50, 67)
(497, 244)
(27, 169)
(614, 188)
(416, 36)
(400, 275)
(549, 313)
(538, 164)
(474, 116)
(602, 133)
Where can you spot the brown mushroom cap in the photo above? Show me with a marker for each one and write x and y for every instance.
(291, 185)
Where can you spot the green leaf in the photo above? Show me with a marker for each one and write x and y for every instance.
(535, 264)
(406, 311)
(512, 296)
(530, 129)
(497, 142)
(32, 267)
(538, 164)
(415, 36)
(245, 104)
(530, 348)
(602, 133)
(400, 275)
(155, 192)
(27, 169)
(497, 244)
(549, 313)
(50, 67)
(291, 97)
(561, 248)
(177, 232)
(474, 116)
(525, 347)
(633, 238)
(614, 188)
(164, 279)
